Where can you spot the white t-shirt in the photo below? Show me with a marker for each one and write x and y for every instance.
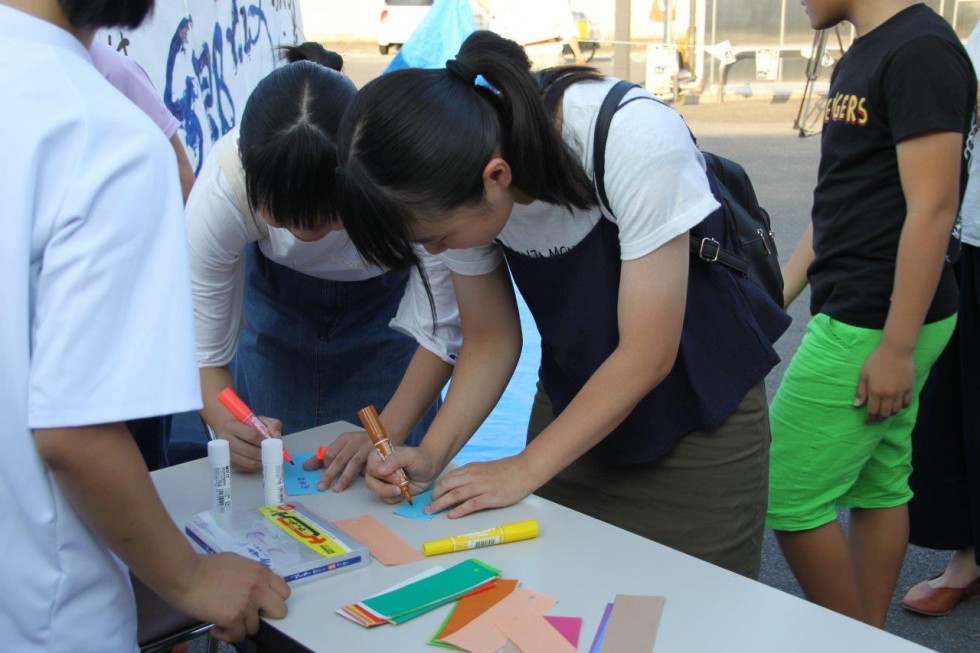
(970, 210)
(96, 327)
(218, 239)
(654, 180)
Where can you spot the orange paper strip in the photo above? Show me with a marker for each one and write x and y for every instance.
(473, 605)
(383, 543)
(482, 636)
(532, 633)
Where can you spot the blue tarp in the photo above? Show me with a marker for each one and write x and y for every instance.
(438, 36)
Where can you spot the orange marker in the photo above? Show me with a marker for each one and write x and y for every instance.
(244, 414)
(376, 431)
(321, 453)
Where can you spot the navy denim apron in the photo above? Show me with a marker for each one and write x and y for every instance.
(723, 350)
(315, 351)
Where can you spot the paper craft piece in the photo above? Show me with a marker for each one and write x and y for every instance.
(298, 480)
(532, 633)
(633, 624)
(414, 599)
(569, 627)
(425, 574)
(601, 630)
(414, 511)
(482, 636)
(384, 545)
(472, 606)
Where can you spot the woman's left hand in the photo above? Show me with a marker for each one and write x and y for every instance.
(478, 486)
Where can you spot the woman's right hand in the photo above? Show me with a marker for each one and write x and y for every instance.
(246, 443)
(381, 477)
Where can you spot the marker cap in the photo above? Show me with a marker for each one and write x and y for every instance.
(521, 530)
(372, 423)
(271, 451)
(234, 404)
(219, 453)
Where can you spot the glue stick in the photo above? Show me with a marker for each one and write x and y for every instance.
(219, 458)
(272, 480)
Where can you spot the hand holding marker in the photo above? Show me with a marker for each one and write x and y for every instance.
(244, 414)
(376, 431)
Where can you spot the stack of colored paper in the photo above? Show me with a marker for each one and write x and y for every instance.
(415, 598)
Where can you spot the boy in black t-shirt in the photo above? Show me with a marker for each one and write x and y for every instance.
(882, 297)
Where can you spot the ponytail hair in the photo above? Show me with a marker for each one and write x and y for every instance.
(414, 144)
(287, 137)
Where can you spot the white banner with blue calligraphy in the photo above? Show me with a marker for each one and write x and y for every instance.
(206, 56)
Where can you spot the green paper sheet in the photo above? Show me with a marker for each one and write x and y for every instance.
(428, 593)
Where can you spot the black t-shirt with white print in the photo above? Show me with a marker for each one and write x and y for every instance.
(907, 77)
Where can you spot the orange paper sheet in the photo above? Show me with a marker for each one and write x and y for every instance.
(532, 633)
(473, 605)
(482, 636)
(383, 543)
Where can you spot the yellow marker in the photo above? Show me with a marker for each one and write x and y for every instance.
(521, 530)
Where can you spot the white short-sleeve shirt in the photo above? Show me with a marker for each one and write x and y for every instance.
(97, 323)
(218, 239)
(655, 181)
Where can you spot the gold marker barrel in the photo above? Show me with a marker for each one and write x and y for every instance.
(379, 436)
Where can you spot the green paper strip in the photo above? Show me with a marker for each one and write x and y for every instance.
(431, 592)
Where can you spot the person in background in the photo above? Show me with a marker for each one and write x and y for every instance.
(882, 297)
(97, 330)
(945, 511)
(287, 311)
(659, 426)
(152, 434)
(132, 81)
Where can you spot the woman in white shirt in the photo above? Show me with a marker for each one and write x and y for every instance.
(286, 310)
(653, 359)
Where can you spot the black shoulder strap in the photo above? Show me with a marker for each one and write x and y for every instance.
(606, 111)
(708, 249)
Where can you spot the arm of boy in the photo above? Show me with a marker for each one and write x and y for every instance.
(102, 475)
(487, 359)
(794, 272)
(652, 300)
(929, 168)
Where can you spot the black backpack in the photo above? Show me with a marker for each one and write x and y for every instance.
(754, 252)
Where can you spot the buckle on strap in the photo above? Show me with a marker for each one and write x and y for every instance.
(710, 250)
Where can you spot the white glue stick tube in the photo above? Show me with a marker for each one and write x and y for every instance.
(219, 458)
(272, 480)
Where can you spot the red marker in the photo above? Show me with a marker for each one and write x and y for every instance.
(244, 414)
(321, 453)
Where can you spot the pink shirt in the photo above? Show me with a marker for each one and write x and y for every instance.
(133, 82)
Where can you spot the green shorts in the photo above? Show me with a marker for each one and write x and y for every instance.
(824, 455)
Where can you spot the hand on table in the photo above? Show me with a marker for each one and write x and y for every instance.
(345, 459)
(886, 382)
(382, 478)
(246, 443)
(478, 486)
(232, 592)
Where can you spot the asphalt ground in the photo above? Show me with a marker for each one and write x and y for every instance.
(760, 134)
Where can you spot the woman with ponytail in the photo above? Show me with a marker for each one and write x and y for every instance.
(287, 311)
(652, 360)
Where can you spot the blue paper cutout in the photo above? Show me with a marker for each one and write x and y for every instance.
(414, 511)
(298, 480)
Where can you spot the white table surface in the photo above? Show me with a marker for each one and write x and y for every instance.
(581, 561)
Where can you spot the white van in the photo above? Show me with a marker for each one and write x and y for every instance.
(399, 18)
